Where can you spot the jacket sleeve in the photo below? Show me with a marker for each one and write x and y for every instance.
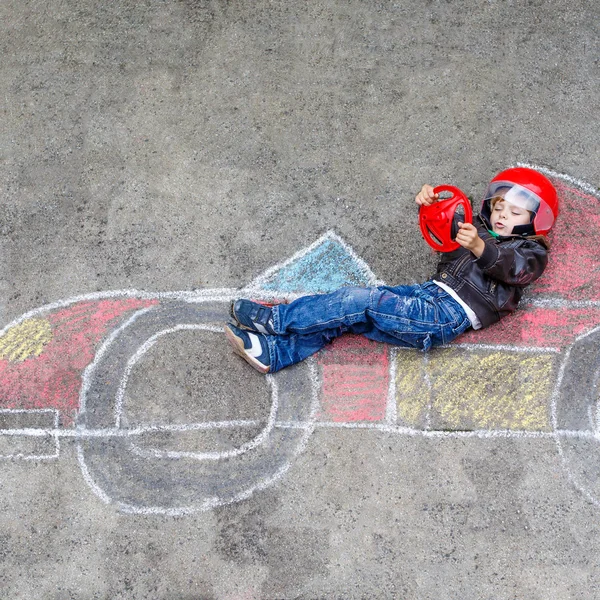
(515, 263)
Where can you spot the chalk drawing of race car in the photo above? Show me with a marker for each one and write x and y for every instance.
(65, 370)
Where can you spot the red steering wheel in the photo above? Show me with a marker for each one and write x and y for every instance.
(436, 219)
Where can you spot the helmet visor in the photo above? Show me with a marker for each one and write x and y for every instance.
(513, 194)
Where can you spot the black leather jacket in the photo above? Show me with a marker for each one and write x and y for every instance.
(493, 284)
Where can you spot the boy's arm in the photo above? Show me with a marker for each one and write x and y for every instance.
(468, 237)
(514, 263)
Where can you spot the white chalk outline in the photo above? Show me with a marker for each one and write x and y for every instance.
(586, 187)
(554, 417)
(254, 288)
(376, 426)
(138, 355)
(44, 432)
(156, 453)
(391, 406)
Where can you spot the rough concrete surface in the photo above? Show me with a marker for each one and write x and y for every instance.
(165, 145)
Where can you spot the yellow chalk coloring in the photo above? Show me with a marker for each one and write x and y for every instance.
(25, 340)
(460, 389)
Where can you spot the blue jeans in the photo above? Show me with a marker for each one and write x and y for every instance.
(414, 316)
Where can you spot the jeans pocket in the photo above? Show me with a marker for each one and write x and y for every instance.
(426, 343)
(462, 326)
(453, 330)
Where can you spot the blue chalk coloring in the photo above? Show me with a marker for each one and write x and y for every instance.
(324, 267)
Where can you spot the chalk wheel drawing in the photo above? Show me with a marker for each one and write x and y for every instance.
(576, 407)
(183, 482)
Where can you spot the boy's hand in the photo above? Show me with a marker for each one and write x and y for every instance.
(426, 196)
(468, 238)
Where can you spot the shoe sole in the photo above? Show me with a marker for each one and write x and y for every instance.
(238, 348)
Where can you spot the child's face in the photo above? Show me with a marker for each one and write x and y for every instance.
(505, 216)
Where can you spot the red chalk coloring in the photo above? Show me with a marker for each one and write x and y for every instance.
(53, 379)
(355, 372)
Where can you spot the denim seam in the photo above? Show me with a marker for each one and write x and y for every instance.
(403, 319)
(300, 330)
(456, 315)
(271, 347)
(275, 316)
(463, 326)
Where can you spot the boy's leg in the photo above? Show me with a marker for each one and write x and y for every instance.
(418, 316)
(286, 350)
(271, 353)
(356, 309)
(306, 325)
(344, 309)
(403, 316)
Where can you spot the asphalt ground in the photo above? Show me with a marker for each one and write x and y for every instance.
(167, 146)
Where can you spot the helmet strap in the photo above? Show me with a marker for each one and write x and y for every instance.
(523, 229)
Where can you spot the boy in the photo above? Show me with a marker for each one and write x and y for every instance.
(474, 286)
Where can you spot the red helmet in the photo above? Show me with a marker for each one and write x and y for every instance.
(528, 189)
